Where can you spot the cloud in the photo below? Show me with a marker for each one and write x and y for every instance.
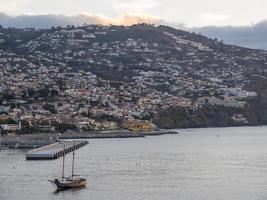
(136, 6)
(126, 19)
(13, 6)
(253, 36)
(209, 18)
(134, 19)
(46, 21)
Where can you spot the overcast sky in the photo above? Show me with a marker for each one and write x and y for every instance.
(188, 12)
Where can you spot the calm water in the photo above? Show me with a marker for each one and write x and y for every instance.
(196, 164)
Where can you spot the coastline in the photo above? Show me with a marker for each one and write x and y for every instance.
(217, 127)
(30, 141)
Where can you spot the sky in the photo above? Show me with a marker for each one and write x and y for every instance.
(191, 13)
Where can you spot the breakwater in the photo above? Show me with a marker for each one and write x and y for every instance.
(114, 134)
(30, 141)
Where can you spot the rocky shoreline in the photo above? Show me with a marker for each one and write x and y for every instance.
(30, 141)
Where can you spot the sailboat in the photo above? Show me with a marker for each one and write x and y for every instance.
(72, 181)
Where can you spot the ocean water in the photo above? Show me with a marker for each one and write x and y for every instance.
(197, 164)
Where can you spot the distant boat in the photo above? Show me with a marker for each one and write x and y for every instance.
(72, 181)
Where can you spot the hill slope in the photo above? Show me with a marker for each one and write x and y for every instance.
(140, 71)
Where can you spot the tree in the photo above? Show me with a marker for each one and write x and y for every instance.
(26, 127)
(7, 95)
(63, 127)
(61, 84)
(8, 121)
(44, 93)
(54, 93)
(50, 108)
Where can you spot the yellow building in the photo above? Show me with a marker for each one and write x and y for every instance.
(138, 125)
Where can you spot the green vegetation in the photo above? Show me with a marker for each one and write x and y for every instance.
(256, 109)
(210, 116)
(8, 121)
(50, 108)
(26, 128)
(44, 93)
(6, 95)
(63, 127)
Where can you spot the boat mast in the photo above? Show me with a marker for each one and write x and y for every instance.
(63, 167)
(73, 161)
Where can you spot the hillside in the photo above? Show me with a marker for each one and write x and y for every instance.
(113, 73)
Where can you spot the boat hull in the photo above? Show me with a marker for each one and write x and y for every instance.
(68, 184)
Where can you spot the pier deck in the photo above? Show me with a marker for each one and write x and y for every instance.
(55, 150)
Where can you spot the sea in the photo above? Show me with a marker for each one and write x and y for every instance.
(196, 164)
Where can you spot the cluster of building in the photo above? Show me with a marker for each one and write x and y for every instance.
(97, 77)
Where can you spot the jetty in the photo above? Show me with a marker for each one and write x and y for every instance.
(113, 134)
(55, 150)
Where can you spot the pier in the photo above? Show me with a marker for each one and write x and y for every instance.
(55, 150)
